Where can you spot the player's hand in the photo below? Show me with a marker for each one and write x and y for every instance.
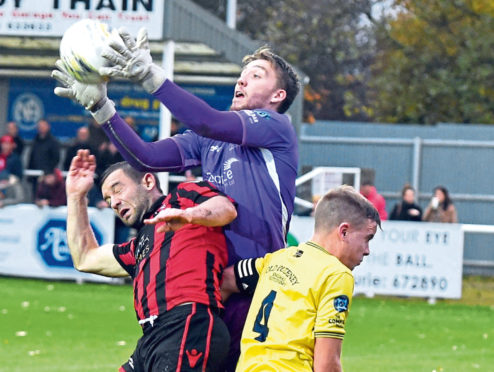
(92, 96)
(172, 219)
(80, 177)
(132, 60)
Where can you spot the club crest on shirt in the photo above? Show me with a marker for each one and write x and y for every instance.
(264, 114)
(142, 248)
(341, 303)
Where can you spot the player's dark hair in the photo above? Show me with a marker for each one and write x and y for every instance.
(129, 171)
(287, 77)
(344, 204)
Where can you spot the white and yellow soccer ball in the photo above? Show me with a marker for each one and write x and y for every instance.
(81, 47)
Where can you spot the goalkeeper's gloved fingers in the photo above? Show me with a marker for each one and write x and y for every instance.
(62, 78)
(61, 75)
(111, 71)
(61, 66)
(64, 92)
(142, 39)
(128, 39)
(115, 57)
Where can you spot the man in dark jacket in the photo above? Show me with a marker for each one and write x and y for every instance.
(80, 142)
(45, 151)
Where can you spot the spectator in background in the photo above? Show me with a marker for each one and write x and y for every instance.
(107, 156)
(176, 127)
(80, 142)
(441, 207)
(9, 160)
(13, 131)
(11, 189)
(315, 200)
(370, 192)
(45, 151)
(97, 137)
(50, 189)
(132, 123)
(407, 209)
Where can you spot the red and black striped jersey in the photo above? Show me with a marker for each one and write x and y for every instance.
(175, 267)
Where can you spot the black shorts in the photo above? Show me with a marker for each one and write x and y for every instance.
(189, 337)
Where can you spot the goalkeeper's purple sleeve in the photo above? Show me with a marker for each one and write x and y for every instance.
(198, 116)
(157, 156)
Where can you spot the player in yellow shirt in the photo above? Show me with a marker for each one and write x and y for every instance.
(303, 294)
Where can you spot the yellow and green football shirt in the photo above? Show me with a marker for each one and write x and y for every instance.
(302, 293)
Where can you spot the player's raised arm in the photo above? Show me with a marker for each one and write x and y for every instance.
(132, 60)
(94, 98)
(86, 253)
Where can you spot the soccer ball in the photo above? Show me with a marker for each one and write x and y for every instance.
(81, 47)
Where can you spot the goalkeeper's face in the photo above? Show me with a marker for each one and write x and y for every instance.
(128, 199)
(257, 87)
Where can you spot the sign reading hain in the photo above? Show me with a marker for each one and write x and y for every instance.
(53, 17)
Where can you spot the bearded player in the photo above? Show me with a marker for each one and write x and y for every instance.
(175, 260)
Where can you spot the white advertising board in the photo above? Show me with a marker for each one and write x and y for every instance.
(53, 17)
(33, 241)
(406, 259)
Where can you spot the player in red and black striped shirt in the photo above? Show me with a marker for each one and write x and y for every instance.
(176, 261)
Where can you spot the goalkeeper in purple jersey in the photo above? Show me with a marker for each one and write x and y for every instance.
(249, 152)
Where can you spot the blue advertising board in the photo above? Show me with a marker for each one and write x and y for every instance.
(31, 99)
(52, 245)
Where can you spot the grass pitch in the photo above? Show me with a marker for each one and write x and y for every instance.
(63, 326)
(390, 334)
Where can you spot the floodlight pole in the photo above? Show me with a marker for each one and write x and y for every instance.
(168, 62)
(231, 13)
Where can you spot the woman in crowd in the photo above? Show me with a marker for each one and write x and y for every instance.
(441, 208)
(407, 209)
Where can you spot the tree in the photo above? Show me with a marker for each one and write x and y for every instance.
(435, 63)
(329, 40)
